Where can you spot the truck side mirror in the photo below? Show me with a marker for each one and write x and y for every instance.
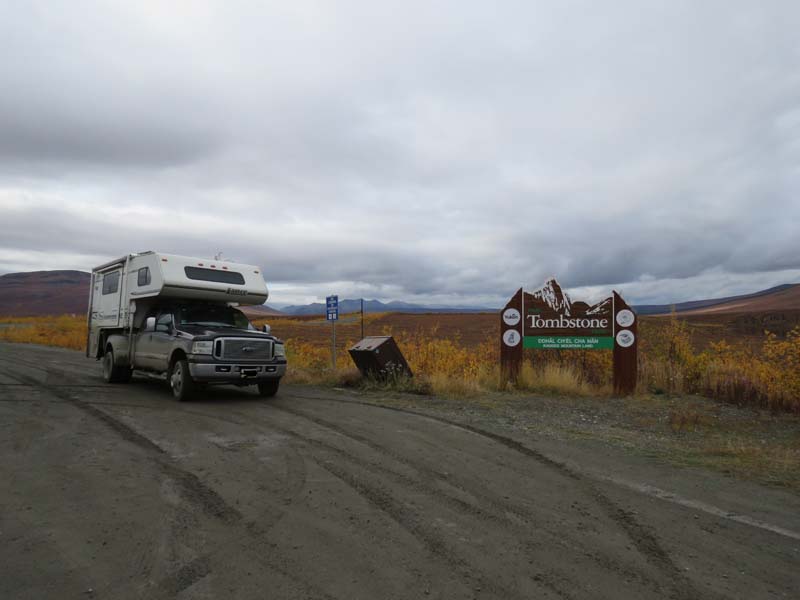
(150, 324)
(266, 328)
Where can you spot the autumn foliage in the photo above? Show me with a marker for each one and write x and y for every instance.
(767, 375)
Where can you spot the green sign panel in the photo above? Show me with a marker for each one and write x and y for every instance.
(575, 342)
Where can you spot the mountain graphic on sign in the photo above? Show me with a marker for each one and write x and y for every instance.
(554, 297)
(600, 308)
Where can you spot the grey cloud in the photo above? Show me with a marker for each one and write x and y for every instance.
(422, 150)
(31, 142)
(80, 88)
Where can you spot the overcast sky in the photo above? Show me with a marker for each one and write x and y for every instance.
(437, 152)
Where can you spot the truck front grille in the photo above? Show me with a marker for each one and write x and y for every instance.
(243, 349)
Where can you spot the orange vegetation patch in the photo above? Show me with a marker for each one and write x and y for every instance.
(463, 329)
(458, 354)
(65, 331)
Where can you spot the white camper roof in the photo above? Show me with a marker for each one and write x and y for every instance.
(174, 276)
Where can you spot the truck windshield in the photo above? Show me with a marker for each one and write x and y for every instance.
(212, 316)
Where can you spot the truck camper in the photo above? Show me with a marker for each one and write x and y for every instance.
(175, 318)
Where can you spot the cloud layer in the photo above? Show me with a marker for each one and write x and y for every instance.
(443, 153)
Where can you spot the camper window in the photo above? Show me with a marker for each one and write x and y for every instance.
(214, 275)
(144, 277)
(111, 283)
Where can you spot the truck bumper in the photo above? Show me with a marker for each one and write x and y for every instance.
(233, 373)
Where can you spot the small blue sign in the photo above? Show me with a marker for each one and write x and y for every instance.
(332, 308)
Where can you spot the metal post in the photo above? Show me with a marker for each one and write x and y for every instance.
(332, 314)
(362, 318)
(333, 346)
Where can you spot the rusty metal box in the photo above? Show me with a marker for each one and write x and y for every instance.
(379, 356)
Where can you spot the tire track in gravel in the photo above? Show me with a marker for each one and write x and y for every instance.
(430, 474)
(296, 473)
(458, 504)
(194, 491)
(404, 518)
(408, 521)
(400, 478)
(642, 537)
(555, 537)
(554, 584)
(213, 504)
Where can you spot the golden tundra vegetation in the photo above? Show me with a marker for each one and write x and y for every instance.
(458, 356)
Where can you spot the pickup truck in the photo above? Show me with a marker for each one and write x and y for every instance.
(197, 344)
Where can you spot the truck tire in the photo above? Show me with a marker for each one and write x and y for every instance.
(112, 372)
(180, 380)
(269, 388)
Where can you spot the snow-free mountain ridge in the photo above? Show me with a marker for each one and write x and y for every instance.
(66, 292)
(375, 306)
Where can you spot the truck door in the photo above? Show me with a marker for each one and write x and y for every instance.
(162, 339)
(145, 356)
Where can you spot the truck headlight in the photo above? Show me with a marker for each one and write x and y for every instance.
(280, 351)
(202, 347)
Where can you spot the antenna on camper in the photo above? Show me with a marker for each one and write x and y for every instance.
(218, 255)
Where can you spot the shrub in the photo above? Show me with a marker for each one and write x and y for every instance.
(767, 377)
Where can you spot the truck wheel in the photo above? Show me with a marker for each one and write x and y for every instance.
(269, 388)
(113, 373)
(180, 380)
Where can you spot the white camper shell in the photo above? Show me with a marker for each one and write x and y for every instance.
(122, 288)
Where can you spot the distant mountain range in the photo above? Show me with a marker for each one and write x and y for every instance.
(781, 297)
(375, 306)
(44, 293)
(66, 292)
(38, 293)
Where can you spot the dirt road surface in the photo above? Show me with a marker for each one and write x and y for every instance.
(121, 492)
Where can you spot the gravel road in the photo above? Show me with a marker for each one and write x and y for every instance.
(118, 491)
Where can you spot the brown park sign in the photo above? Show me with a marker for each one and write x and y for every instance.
(549, 319)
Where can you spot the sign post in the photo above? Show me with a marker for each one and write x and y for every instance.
(549, 319)
(362, 318)
(332, 314)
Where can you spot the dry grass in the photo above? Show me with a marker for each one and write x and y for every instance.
(558, 378)
(772, 462)
(688, 419)
(65, 331)
(767, 377)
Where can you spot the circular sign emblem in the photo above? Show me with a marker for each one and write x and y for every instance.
(511, 317)
(511, 338)
(625, 318)
(625, 338)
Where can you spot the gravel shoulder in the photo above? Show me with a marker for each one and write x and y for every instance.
(691, 431)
